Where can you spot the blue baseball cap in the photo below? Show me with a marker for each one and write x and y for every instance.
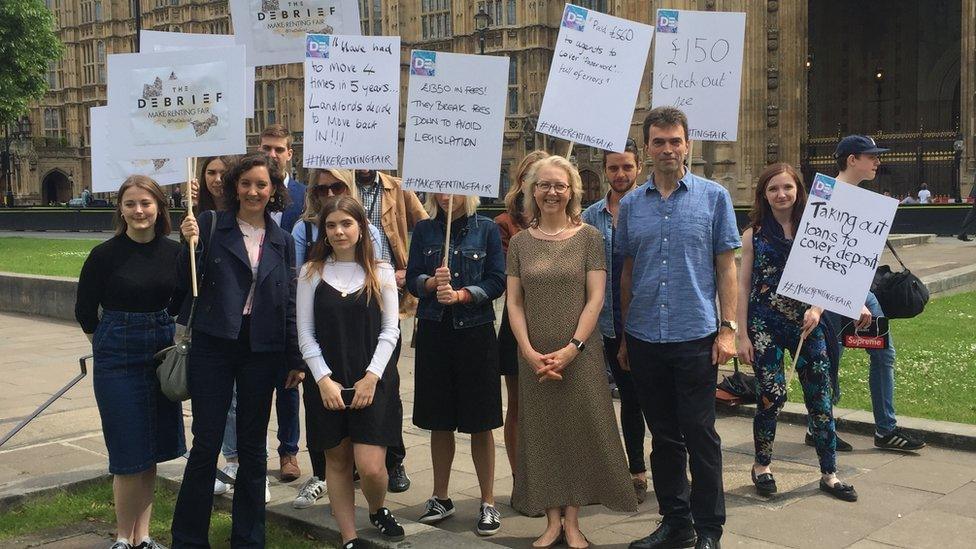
(857, 144)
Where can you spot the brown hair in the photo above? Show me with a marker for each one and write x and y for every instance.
(575, 206)
(279, 196)
(277, 131)
(760, 206)
(205, 199)
(164, 225)
(664, 117)
(513, 198)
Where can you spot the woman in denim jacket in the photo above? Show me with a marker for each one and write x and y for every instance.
(457, 386)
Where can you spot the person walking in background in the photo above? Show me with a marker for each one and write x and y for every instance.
(924, 194)
(132, 277)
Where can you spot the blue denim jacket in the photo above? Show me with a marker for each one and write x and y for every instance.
(476, 262)
(599, 216)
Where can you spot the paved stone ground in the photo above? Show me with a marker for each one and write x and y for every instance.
(924, 500)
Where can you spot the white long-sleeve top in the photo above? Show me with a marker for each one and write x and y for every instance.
(349, 277)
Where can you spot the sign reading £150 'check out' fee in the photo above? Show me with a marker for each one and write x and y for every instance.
(594, 78)
(455, 115)
(109, 173)
(837, 246)
(274, 30)
(352, 102)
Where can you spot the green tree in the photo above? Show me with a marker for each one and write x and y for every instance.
(27, 44)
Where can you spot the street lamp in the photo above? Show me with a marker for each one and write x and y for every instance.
(482, 21)
(878, 79)
(22, 130)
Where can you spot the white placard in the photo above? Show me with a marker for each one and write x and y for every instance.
(837, 246)
(455, 116)
(274, 30)
(171, 104)
(108, 173)
(594, 78)
(698, 69)
(157, 41)
(352, 102)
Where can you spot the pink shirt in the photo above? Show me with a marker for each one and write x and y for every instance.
(253, 243)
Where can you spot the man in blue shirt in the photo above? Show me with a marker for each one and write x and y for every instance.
(678, 236)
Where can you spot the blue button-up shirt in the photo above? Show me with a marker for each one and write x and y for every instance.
(600, 217)
(673, 244)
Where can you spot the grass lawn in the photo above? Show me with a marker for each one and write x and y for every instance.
(935, 368)
(93, 504)
(55, 257)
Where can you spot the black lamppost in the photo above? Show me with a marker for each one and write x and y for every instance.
(22, 130)
(482, 22)
(878, 79)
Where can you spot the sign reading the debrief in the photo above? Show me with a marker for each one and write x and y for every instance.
(455, 117)
(698, 69)
(352, 102)
(108, 173)
(837, 246)
(274, 30)
(594, 78)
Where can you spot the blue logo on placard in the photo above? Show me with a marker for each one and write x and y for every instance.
(574, 17)
(317, 45)
(667, 21)
(823, 186)
(423, 63)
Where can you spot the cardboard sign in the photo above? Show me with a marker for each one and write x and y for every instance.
(352, 102)
(159, 41)
(274, 30)
(837, 246)
(594, 78)
(171, 104)
(455, 118)
(108, 173)
(698, 69)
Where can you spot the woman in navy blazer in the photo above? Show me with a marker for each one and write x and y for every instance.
(244, 331)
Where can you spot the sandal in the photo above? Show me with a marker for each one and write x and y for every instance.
(840, 490)
(765, 483)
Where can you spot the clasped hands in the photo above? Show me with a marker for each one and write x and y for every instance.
(364, 389)
(441, 283)
(550, 366)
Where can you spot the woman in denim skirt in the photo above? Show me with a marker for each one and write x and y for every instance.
(133, 278)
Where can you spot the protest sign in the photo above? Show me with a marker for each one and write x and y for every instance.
(594, 77)
(837, 246)
(171, 104)
(352, 102)
(698, 69)
(274, 30)
(157, 41)
(455, 114)
(109, 173)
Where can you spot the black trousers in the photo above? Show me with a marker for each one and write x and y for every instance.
(631, 416)
(969, 221)
(676, 385)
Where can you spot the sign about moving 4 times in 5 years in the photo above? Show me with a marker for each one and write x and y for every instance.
(109, 173)
(698, 69)
(171, 104)
(594, 78)
(455, 114)
(837, 246)
(274, 30)
(352, 102)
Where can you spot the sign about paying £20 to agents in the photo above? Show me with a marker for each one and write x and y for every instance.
(837, 246)
(352, 102)
(455, 116)
(698, 69)
(594, 78)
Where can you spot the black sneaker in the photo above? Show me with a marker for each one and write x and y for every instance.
(437, 510)
(399, 481)
(354, 543)
(842, 445)
(490, 521)
(150, 543)
(899, 440)
(386, 523)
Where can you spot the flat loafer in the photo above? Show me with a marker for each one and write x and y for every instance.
(841, 491)
(765, 483)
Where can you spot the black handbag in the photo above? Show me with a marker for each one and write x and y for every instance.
(901, 294)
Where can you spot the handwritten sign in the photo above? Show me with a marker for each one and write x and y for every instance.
(171, 104)
(698, 69)
(274, 30)
(352, 102)
(837, 246)
(109, 173)
(455, 114)
(594, 78)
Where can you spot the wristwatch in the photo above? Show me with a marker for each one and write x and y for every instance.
(730, 324)
(578, 344)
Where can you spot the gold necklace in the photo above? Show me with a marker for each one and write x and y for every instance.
(557, 233)
(344, 292)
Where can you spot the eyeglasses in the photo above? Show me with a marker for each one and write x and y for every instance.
(546, 186)
(334, 188)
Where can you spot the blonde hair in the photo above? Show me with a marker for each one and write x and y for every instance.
(574, 209)
(513, 198)
(313, 203)
(471, 203)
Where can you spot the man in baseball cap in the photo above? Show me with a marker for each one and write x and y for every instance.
(857, 159)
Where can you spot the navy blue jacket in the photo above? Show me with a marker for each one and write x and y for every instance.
(476, 261)
(296, 191)
(227, 280)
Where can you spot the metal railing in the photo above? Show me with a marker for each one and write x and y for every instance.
(55, 396)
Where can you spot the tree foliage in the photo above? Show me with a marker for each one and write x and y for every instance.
(28, 44)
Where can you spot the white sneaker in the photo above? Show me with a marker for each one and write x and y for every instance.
(309, 493)
(267, 490)
(221, 487)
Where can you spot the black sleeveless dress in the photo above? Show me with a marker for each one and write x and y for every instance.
(347, 330)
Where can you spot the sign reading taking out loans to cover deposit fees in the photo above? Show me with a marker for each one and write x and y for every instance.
(594, 78)
(837, 246)
(698, 69)
(455, 115)
(171, 104)
(352, 102)
(274, 30)
(109, 173)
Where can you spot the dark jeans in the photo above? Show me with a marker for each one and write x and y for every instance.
(215, 364)
(969, 221)
(676, 384)
(631, 417)
(286, 407)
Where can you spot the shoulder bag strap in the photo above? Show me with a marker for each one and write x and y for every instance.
(308, 239)
(203, 271)
(894, 253)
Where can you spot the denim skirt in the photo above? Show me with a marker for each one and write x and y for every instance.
(140, 425)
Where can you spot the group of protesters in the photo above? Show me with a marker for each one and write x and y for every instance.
(307, 286)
